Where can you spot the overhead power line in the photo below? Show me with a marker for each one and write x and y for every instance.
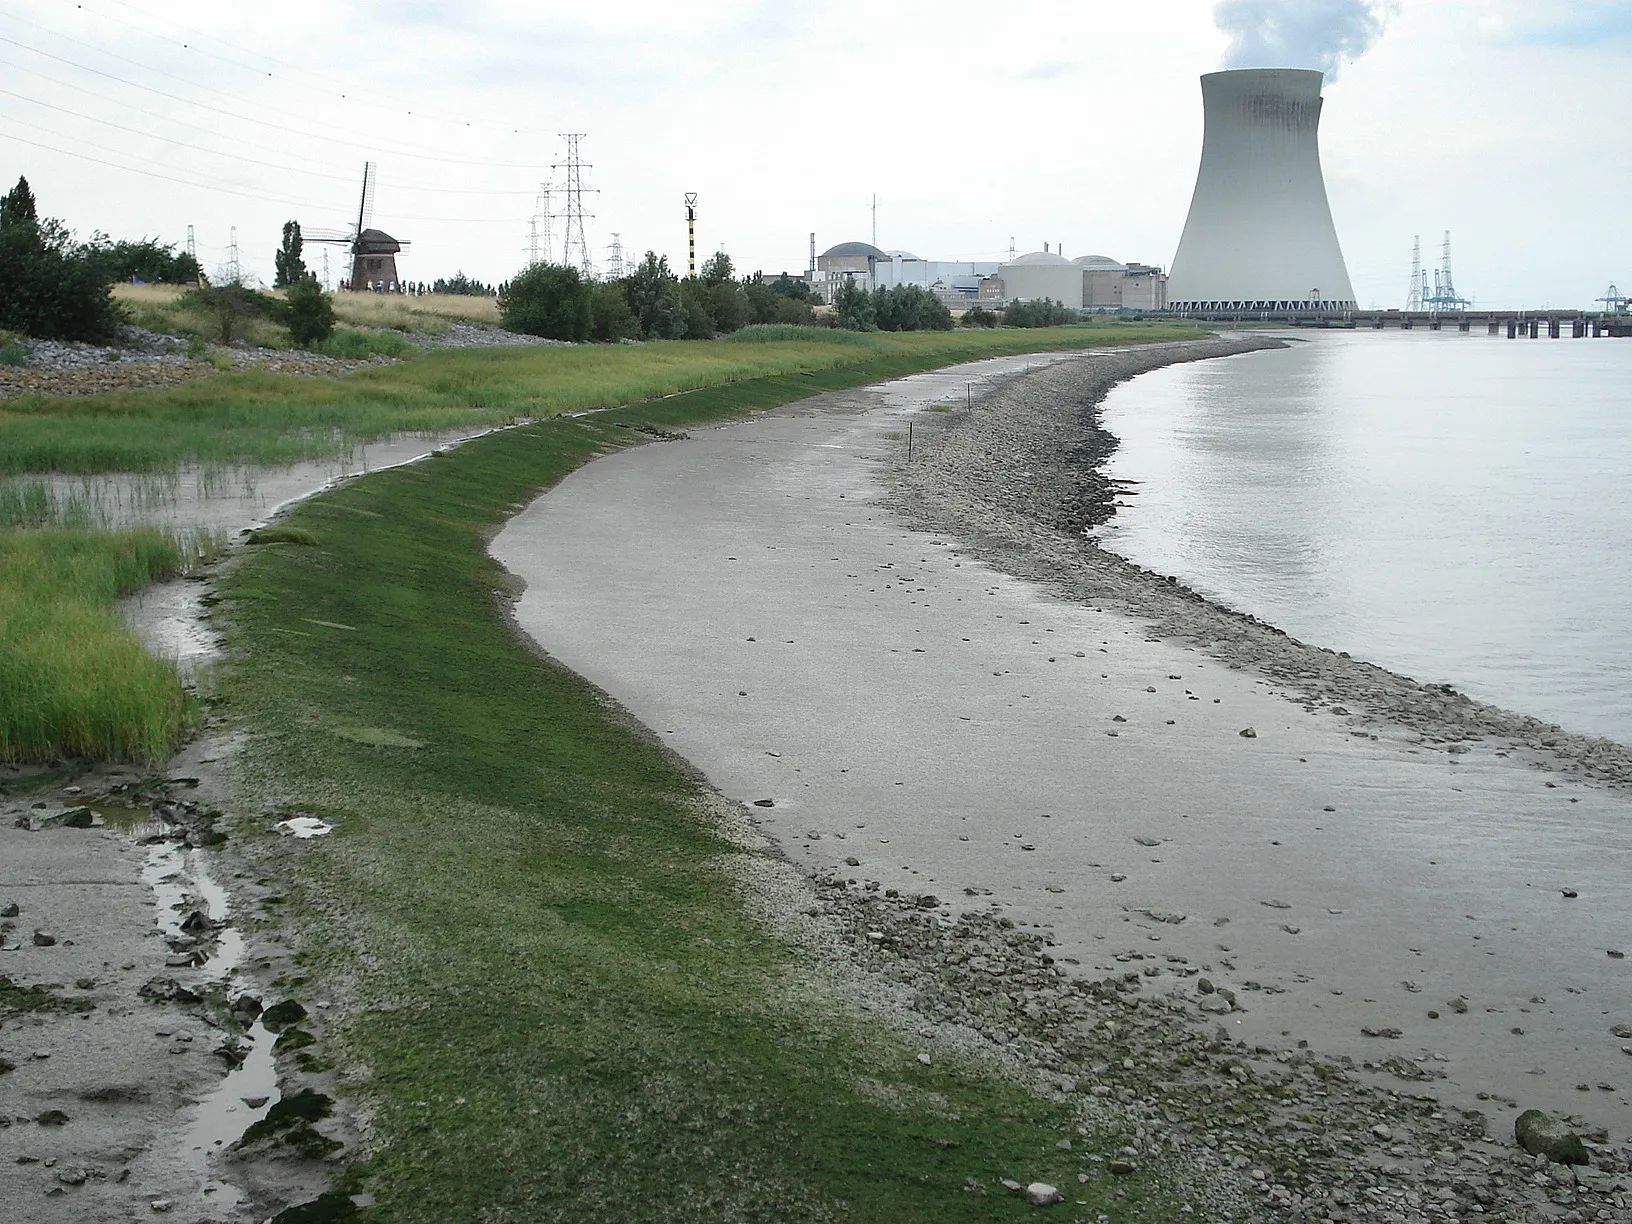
(339, 88)
(373, 147)
(259, 196)
(239, 157)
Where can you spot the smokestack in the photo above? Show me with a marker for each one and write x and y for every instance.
(1259, 235)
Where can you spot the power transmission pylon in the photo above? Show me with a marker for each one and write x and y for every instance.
(192, 254)
(691, 233)
(235, 272)
(614, 261)
(575, 246)
(1413, 299)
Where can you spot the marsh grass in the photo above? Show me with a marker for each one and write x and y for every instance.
(765, 333)
(254, 417)
(428, 312)
(567, 1010)
(74, 679)
(353, 343)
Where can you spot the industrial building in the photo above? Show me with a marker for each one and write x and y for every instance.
(1259, 235)
(1092, 282)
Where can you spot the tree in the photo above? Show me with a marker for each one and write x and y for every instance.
(697, 305)
(853, 307)
(148, 260)
(717, 270)
(53, 288)
(979, 316)
(549, 300)
(910, 308)
(290, 268)
(308, 312)
(730, 306)
(654, 296)
(462, 284)
(791, 287)
(17, 205)
(610, 316)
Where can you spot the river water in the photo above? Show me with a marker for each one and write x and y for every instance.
(1453, 507)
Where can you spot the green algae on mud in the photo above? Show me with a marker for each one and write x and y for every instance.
(548, 985)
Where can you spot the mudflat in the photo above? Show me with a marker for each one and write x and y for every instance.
(942, 688)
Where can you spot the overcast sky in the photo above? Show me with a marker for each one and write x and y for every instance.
(974, 123)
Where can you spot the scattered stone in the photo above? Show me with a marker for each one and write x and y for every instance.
(52, 1117)
(764, 802)
(72, 1175)
(1542, 1134)
(11, 910)
(1041, 1194)
(1247, 733)
(44, 939)
(1122, 1167)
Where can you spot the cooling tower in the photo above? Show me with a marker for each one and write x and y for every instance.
(1260, 234)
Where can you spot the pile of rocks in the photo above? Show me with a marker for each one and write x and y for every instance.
(1316, 1140)
(141, 358)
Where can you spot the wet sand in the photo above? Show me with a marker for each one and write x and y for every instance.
(809, 619)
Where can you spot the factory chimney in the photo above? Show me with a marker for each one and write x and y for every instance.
(1260, 234)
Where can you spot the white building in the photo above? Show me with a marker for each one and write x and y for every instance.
(1042, 274)
(1259, 235)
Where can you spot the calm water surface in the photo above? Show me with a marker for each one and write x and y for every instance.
(1453, 507)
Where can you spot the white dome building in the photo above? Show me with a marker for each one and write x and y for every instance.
(1042, 274)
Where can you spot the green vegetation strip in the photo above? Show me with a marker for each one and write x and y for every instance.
(256, 417)
(74, 680)
(565, 1010)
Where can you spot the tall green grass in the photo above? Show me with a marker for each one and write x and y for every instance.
(763, 333)
(256, 417)
(74, 680)
(354, 343)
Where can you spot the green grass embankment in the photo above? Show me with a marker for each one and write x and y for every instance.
(543, 961)
(255, 417)
(74, 680)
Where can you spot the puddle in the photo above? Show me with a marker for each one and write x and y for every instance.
(180, 880)
(225, 1114)
(305, 826)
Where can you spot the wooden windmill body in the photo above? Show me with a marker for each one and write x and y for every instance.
(373, 252)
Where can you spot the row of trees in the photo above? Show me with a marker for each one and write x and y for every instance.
(56, 288)
(651, 303)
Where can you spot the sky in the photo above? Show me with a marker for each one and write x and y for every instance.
(974, 124)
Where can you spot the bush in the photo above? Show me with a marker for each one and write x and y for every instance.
(697, 303)
(910, 308)
(54, 289)
(979, 316)
(548, 300)
(227, 307)
(13, 355)
(1044, 312)
(611, 318)
(308, 312)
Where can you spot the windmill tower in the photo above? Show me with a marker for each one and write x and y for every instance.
(373, 252)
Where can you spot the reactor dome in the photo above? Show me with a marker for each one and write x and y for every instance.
(854, 250)
(1042, 274)
(1092, 262)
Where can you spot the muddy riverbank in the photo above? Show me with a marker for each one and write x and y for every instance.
(927, 686)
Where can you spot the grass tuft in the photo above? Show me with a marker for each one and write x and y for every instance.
(352, 343)
(74, 679)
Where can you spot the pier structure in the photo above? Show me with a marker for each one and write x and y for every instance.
(1514, 324)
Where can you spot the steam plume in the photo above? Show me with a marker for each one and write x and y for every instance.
(1297, 33)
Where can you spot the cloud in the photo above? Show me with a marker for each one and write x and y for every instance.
(1052, 70)
(1586, 24)
(1315, 34)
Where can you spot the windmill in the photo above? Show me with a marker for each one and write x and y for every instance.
(373, 252)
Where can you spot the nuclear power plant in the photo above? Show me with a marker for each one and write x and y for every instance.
(1259, 236)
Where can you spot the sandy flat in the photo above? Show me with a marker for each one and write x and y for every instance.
(752, 595)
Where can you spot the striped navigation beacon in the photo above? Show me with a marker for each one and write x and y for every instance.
(1260, 236)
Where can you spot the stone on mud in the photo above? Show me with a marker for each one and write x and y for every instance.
(1541, 1134)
